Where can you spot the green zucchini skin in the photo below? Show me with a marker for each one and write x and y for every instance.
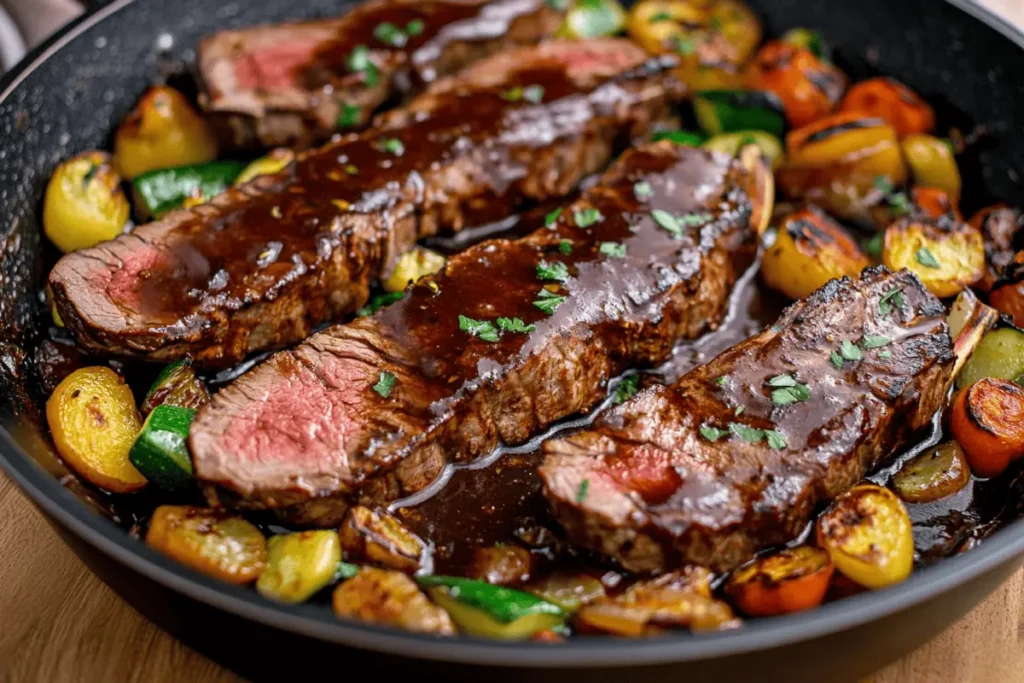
(158, 192)
(731, 111)
(160, 452)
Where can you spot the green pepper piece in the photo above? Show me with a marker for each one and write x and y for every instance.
(483, 609)
(158, 192)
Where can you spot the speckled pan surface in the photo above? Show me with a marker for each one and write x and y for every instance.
(72, 90)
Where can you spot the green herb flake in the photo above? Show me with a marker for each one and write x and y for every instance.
(787, 390)
(782, 381)
(748, 434)
(643, 190)
(552, 270)
(893, 295)
(739, 410)
(565, 247)
(514, 325)
(776, 441)
(389, 34)
(722, 380)
(549, 301)
(415, 27)
(684, 45)
(378, 302)
(613, 249)
(712, 433)
(627, 389)
(385, 383)
(835, 359)
(667, 221)
(347, 570)
(874, 342)
(392, 146)
(873, 246)
(581, 494)
(885, 355)
(883, 184)
(359, 62)
(926, 258)
(850, 351)
(533, 94)
(512, 94)
(351, 169)
(481, 329)
(350, 116)
(586, 217)
(900, 203)
(550, 219)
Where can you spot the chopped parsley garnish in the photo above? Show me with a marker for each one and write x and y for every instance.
(565, 247)
(787, 390)
(677, 224)
(581, 494)
(359, 62)
(627, 389)
(885, 354)
(613, 249)
(782, 381)
(549, 301)
(739, 410)
(898, 201)
(679, 137)
(835, 359)
(874, 342)
(926, 258)
(776, 440)
(389, 34)
(748, 434)
(552, 270)
(514, 325)
(850, 351)
(392, 146)
(378, 302)
(350, 115)
(722, 380)
(346, 570)
(643, 190)
(873, 247)
(385, 383)
(712, 433)
(883, 184)
(892, 295)
(684, 45)
(587, 217)
(351, 169)
(550, 219)
(482, 329)
(415, 27)
(533, 93)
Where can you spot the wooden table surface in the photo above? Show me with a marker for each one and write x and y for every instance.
(60, 623)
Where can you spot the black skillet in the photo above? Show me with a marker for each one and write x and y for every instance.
(69, 93)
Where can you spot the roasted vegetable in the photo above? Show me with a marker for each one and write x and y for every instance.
(568, 590)
(94, 422)
(163, 131)
(389, 598)
(681, 599)
(809, 39)
(160, 453)
(931, 202)
(891, 101)
(946, 255)
(808, 87)
(176, 385)
(689, 138)
(999, 226)
(836, 163)
(299, 565)
(481, 609)
(413, 265)
(1000, 355)
(158, 192)
(988, 422)
(932, 163)
(867, 533)
(274, 162)
(84, 203)
(213, 542)
(791, 580)
(707, 36)
(809, 250)
(1008, 297)
(593, 19)
(377, 536)
(730, 143)
(730, 111)
(503, 565)
(938, 472)
(969, 321)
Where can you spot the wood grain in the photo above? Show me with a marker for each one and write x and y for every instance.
(60, 623)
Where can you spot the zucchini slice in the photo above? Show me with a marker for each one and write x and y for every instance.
(731, 111)
(482, 609)
(160, 453)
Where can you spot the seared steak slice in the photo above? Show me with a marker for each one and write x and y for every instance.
(467, 359)
(681, 474)
(261, 265)
(294, 84)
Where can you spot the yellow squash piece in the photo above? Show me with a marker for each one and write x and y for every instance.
(84, 203)
(268, 165)
(932, 163)
(867, 533)
(213, 542)
(412, 266)
(946, 255)
(163, 131)
(299, 565)
(94, 422)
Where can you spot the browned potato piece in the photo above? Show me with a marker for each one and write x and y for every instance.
(389, 598)
(810, 250)
(376, 536)
(506, 565)
(935, 474)
(213, 542)
(946, 254)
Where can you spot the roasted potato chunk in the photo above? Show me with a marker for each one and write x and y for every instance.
(389, 598)
(791, 580)
(988, 422)
(299, 565)
(505, 565)
(94, 422)
(938, 472)
(946, 255)
(213, 542)
(84, 203)
(377, 536)
(810, 249)
(867, 533)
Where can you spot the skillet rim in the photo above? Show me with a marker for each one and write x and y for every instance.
(1003, 547)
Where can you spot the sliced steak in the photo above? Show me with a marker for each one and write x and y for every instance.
(373, 410)
(262, 265)
(294, 84)
(687, 473)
